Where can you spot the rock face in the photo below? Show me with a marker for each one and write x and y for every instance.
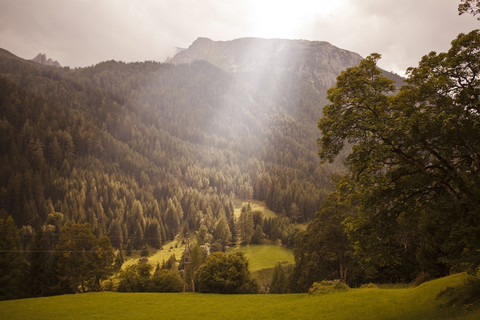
(318, 62)
(42, 59)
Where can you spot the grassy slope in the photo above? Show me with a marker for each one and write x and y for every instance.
(262, 256)
(414, 303)
(160, 255)
(256, 206)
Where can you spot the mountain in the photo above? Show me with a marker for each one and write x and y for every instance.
(315, 61)
(42, 59)
(143, 151)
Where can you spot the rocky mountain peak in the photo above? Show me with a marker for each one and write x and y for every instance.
(42, 59)
(318, 61)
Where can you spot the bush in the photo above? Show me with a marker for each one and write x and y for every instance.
(216, 247)
(145, 252)
(369, 286)
(467, 294)
(421, 278)
(225, 273)
(135, 278)
(326, 287)
(166, 280)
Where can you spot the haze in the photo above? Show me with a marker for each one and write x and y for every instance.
(83, 33)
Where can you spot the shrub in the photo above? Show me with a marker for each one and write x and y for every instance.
(421, 278)
(166, 280)
(145, 252)
(327, 286)
(225, 273)
(467, 294)
(135, 278)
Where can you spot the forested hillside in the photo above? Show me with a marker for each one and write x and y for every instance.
(142, 151)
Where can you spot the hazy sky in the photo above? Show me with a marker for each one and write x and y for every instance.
(84, 32)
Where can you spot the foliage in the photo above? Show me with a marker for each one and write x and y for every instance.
(413, 171)
(12, 263)
(246, 225)
(369, 286)
(166, 280)
(327, 287)
(279, 283)
(421, 278)
(72, 261)
(469, 6)
(83, 260)
(225, 273)
(466, 294)
(257, 235)
(190, 267)
(324, 251)
(135, 278)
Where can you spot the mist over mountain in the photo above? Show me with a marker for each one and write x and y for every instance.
(316, 61)
(142, 151)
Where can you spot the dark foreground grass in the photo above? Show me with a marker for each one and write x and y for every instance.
(374, 303)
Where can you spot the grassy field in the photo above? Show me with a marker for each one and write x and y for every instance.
(256, 206)
(262, 256)
(175, 247)
(412, 303)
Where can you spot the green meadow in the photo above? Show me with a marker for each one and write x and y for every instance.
(159, 256)
(256, 206)
(372, 303)
(262, 259)
(261, 256)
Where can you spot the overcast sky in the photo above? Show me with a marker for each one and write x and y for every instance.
(81, 33)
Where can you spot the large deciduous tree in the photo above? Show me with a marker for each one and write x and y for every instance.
(414, 166)
(225, 273)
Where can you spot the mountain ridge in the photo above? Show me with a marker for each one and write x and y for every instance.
(313, 59)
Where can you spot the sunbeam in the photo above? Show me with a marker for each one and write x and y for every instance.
(284, 19)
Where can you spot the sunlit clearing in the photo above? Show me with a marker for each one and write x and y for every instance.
(284, 18)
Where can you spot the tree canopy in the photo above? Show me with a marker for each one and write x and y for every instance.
(225, 273)
(323, 251)
(413, 169)
(469, 6)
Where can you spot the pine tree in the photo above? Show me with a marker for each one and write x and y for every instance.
(279, 282)
(41, 271)
(12, 263)
(257, 236)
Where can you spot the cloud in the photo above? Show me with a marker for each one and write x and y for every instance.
(85, 32)
(402, 31)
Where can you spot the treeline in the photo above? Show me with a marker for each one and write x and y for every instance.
(141, 151)
(52, 262)
(72, 259)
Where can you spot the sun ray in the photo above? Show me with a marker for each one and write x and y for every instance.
(283, 19)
